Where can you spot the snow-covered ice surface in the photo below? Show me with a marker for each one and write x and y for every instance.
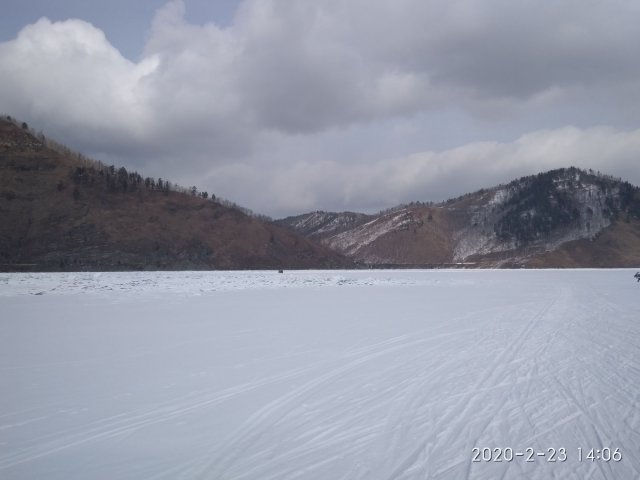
(318, 375)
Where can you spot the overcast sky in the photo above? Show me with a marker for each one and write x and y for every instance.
(287, 106)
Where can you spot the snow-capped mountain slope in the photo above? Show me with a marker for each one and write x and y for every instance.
(505, 225)
(320, 224)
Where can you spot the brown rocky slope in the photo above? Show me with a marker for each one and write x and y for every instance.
(561, 218)
(62, 212)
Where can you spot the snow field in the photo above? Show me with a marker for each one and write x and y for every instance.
(318, 375)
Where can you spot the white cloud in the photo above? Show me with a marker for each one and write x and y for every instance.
(249, 106)
(435, 176)
(68, 76)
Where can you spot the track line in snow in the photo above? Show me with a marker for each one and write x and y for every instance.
(127, 422)
(470, 401)
(277, 409)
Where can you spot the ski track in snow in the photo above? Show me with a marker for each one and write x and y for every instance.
(384, 375)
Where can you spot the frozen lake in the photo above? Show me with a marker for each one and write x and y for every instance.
(320, 375)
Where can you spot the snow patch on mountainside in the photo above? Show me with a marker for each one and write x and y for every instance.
(478, 237)
(322, 224)
(353, 240)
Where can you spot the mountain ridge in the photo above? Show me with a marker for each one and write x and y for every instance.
(515, 224)
(62, 211)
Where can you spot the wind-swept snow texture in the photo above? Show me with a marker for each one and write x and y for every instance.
(319, 375)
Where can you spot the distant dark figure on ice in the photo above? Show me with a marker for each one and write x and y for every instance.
(637, 276)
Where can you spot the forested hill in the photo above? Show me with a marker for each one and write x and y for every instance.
(562, 218)
(536, 206)
(62, 211)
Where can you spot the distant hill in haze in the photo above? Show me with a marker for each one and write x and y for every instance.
(561, 218)
(61, 211)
